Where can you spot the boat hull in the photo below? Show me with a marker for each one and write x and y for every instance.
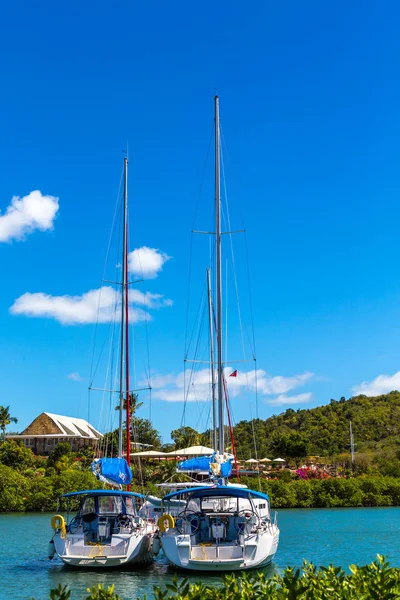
(257, 552)
(133, 550)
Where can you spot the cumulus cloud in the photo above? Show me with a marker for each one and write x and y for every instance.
(148, 299)
(26, 214)
(146, 262)
(196, 386)
(94, 306)
(296, 399)
(74, 376)
(383, 384)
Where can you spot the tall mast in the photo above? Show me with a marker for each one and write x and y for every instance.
(128, 407)
(123, 299)
(210, 318)
(221, 445)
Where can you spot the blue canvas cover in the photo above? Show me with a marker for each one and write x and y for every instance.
(201, 463)
(226, 468)
(114, 471)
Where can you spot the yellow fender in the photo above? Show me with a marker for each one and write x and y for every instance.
(58, 522)
(166, 522)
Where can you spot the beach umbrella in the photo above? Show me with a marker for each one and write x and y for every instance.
(251, 460)
(279, 460)
(265, 460)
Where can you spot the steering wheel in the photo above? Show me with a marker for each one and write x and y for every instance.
(246, 517)
(192, 517)
(124, 521)
(75, 524)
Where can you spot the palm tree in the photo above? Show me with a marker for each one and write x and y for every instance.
(134, 404)
(5, 419)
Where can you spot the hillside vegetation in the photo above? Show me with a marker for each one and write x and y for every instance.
(324, 430)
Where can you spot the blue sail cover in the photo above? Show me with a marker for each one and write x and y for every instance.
(114, 471)
(202, 463)
(226, 468)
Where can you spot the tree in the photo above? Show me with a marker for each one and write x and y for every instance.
(14, 454)
(134, 405)
(291, 445)
(144, 433)
(185, 436)
(5, 419)
(60, 457)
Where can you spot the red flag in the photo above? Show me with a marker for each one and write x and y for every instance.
(233, 374)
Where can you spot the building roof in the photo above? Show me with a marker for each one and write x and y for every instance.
(74, 426)
(62, 427)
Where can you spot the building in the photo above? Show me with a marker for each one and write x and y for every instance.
(47, 430)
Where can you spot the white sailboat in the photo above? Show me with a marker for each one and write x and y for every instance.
(108, 528)
(220, 527)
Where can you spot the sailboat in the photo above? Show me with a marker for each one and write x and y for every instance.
(221, 527)
(108, 528)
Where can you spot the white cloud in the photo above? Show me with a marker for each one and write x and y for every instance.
(171, 388)
(296, 399)
(74, 376)
(266, 384)
(94, 306)
(146, 262)
(26, 214)
(148, 299)
(383, 384)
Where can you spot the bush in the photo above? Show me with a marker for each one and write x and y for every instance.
(377, 580)
(15, 454)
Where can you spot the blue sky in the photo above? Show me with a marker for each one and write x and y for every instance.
(309, 110)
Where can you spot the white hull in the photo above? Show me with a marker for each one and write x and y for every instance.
(256, 551)
(124, 549)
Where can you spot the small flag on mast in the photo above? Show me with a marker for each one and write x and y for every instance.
(233, 374)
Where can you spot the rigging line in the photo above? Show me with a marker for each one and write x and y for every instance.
(239, 310)
(109, 366)
(197, 318)
(191, 235)
(193, 365)
(113, 374)
(110, 327)
(94, 332)
(93, 374)
(241, 323)
(258, 422)
(231, 241)
(200, 305)
(250, 294)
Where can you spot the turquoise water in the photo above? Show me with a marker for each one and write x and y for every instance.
(323, 536)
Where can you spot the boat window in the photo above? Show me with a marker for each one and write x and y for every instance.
(193, 504)
(130, 506)
(88, 506)
(110, 504)
(223, 504)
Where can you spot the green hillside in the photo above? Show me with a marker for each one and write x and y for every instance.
(324, 430)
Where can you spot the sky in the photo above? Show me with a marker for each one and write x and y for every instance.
(309, 100)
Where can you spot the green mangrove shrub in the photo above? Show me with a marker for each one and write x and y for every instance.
(377, 581)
